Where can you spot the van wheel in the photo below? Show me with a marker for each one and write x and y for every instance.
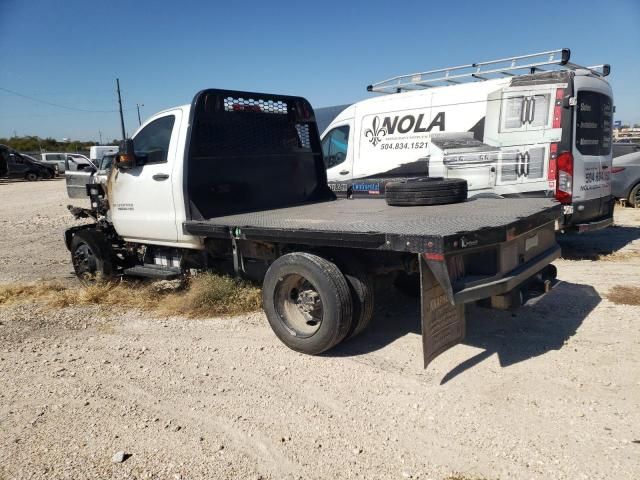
(307, 302)
(634, 196)
(31, 176)
(91, 256)
(426, 191)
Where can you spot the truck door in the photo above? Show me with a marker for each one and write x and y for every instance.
(338, 157)
(141, 198)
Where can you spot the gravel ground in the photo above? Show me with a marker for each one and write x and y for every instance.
(550, 391)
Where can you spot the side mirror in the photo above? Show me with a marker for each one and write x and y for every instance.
(126, 157)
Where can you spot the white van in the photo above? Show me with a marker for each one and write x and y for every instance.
(531, 125)
(97, 152)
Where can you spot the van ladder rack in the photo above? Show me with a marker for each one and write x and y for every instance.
(505, 67)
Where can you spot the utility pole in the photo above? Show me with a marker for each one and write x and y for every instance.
(138, 105)
(124, 136)
(100, 135)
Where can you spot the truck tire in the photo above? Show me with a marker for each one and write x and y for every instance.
(361, 287)
(426, 191)
(31, 176)
(91, 256)
(307, 302)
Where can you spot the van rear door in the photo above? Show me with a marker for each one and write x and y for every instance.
(592, 153)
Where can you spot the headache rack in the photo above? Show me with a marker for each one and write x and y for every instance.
(521, 65)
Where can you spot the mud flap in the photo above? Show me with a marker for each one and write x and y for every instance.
(443, 324)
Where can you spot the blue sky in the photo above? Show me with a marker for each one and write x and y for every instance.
(70, 52)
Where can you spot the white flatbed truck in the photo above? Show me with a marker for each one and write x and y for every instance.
(236, 181)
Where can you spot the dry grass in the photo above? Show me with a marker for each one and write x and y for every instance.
(205, 295)
(624, 295)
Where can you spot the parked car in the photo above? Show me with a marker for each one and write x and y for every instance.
(20, 166)
(620, 149)
(76, 161)
(625, 178)
(52, 168)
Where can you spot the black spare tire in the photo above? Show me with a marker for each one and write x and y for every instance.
(426, 191)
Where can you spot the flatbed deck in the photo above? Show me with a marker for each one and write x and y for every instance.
(371, 223)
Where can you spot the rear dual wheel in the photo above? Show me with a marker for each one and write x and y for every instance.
(311, 305)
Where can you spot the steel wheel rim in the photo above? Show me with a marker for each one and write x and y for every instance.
(298, 305)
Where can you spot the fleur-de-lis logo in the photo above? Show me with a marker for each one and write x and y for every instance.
(376, 133)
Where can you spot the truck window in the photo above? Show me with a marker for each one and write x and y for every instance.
(152, 142)
(334, 146)
(593, 123)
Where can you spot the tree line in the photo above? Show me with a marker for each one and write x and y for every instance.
(37, 144)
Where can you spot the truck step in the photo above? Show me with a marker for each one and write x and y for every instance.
(150, 270)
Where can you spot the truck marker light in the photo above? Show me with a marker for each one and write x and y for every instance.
(617, 169)
(564, 184)
(438, 257)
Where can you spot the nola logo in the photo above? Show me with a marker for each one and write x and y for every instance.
(405, 124)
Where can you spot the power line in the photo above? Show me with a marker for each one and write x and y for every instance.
(56, 104)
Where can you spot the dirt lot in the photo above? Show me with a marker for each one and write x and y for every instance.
(552, 391)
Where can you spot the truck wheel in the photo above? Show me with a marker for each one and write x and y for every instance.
(361, 287)
(426, 191)
(91, 256)
(634, 196)
(307, 302)
(31, 176)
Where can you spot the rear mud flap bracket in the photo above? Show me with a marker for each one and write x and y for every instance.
(443, 324)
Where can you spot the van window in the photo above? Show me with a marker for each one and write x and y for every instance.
(152, 142)
(334, 146)
(513, 112)
(593, 123)
(521, 110)
(539, 110)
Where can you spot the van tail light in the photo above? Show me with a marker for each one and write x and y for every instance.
(564, 181)
(557, 109)
(617, 169)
